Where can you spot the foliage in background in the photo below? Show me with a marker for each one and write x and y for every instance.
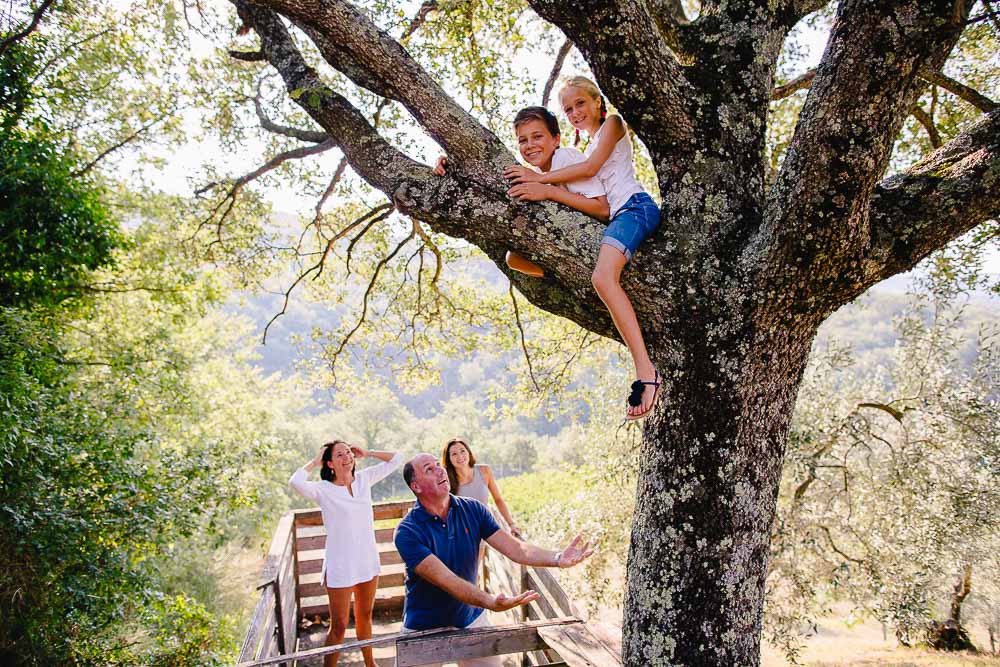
(54, 226)
(892, 485)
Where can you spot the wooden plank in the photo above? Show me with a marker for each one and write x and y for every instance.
(390, 557)
(383, 535)
(393, 510)
(290, 616)
(309, 566)
(390, 510)
(474, 643)
(578, 646)
(547, 609)
(310, 543)
(251, 640)
(501, 577)
(384, 640)
(554, 591)
(269, 643)
(303, 530)
(309, 517)
(297, 569)
(391, 579)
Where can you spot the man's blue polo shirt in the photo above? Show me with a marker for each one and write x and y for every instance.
(456, 544)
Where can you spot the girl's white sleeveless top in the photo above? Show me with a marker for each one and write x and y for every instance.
(617, 174)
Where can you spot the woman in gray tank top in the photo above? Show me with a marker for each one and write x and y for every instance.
(473, 480)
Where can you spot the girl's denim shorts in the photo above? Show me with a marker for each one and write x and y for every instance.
(633, 223)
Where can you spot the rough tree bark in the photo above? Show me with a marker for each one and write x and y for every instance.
(950, 634)
(733, 287)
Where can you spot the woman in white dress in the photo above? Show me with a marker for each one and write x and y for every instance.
(352, 564)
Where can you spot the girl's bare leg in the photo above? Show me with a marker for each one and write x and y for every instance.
(606, 280)
(364, 603)
(340, 611)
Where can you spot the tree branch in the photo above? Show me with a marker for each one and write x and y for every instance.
(793, 86)
(960, 90)
(380, 213)
(520, 328)
(564, 242)
(352, 44)
(369, 154)
(294, 132)
(794, 11)
(36, 18)
(946, 194)
(994, 18)
(248, 56)
(925, 119)
(364, 304)
(229, 200)
(843, 141)
(564, 50)
(120, 144)
(419, 19)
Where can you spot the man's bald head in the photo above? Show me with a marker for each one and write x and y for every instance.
(424, 475)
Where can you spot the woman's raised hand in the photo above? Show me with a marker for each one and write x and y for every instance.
(519, 174)
(358, 452)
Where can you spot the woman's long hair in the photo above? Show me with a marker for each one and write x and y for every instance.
(446, 462)
(326, 472)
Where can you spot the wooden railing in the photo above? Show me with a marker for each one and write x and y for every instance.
(563, 644)
(548, 631)
(273, 625)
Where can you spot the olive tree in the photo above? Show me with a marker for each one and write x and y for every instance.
(750, 257)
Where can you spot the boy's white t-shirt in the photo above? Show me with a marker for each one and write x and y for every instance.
(588, 187)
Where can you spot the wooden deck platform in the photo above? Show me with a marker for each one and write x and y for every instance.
(290, 617)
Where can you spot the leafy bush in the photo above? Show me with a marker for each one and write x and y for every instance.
(79, 513)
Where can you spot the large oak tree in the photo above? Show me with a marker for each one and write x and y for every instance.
(744, 269)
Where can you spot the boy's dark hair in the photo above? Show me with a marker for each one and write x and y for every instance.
(408, 474)
(538, 113)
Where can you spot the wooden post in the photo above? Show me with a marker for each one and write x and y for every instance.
(295, 566)
(279, 625)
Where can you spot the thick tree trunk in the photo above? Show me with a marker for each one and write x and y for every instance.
(707, 493)
(951, 635)
(734, 284)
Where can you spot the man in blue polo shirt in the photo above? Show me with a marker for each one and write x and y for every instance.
(439, 542)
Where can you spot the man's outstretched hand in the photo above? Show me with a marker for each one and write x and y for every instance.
(502, 602)
(575, 553)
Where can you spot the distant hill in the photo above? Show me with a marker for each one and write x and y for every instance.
(867, 325)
